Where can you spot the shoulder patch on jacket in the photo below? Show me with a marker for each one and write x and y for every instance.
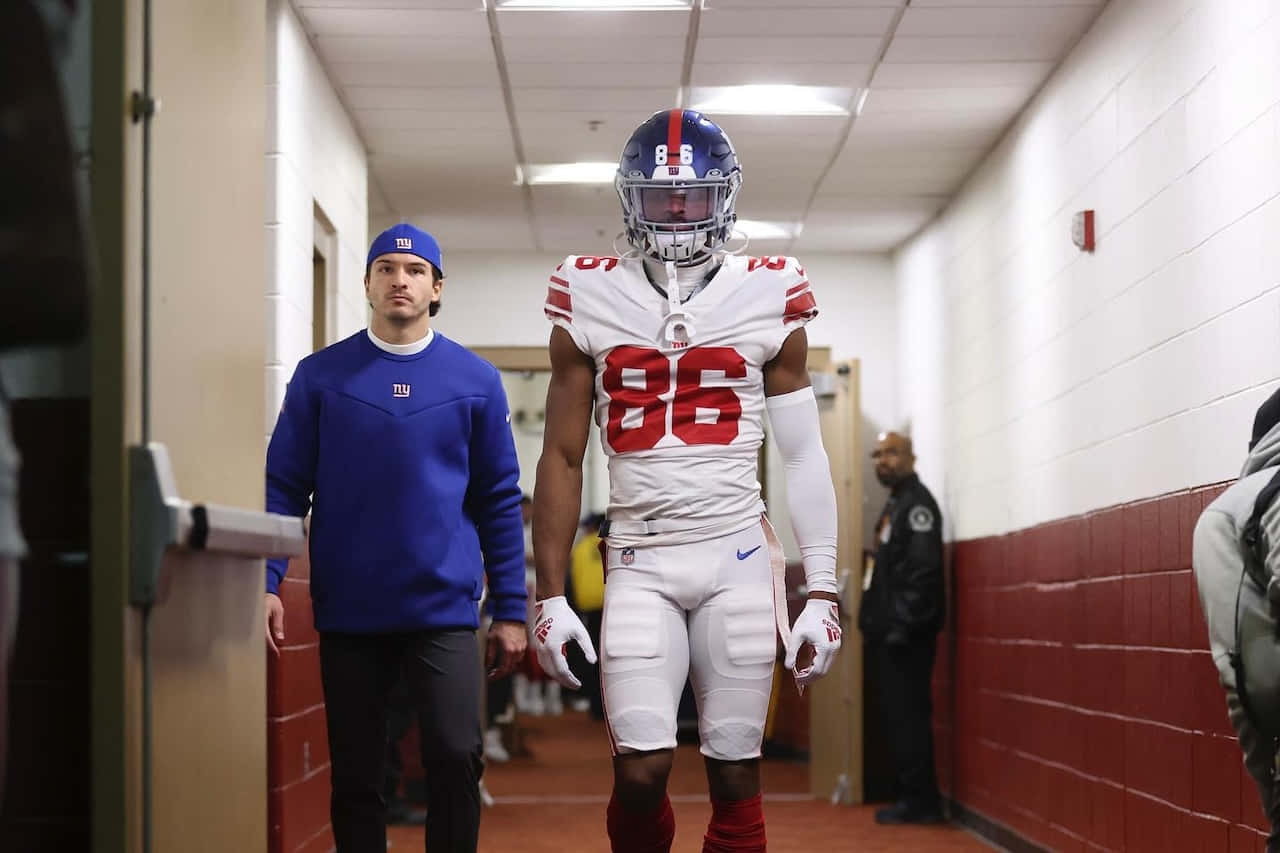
(920, 519)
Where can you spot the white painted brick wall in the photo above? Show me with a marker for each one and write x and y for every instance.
(1041, 382)
(314, 157)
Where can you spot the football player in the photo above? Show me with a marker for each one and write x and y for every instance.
(680, 348)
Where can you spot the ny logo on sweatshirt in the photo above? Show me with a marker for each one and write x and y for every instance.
(400, 389)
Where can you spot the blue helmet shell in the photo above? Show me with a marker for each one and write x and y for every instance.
(681, 149)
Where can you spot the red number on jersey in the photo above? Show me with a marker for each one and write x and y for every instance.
(690, 396)
(657, 380)
(590, 262)
(774, 263)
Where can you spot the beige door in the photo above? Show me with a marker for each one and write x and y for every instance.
(205, 384)
(835, 705)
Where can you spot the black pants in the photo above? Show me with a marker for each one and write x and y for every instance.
(441, 670)
(904, 676)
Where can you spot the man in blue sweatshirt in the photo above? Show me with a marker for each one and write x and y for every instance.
(397, 440)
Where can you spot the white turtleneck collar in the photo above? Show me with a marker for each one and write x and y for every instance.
(689, 279)
(402, 349)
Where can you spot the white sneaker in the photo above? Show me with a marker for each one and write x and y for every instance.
(555, 707)
(493, 749)
(581, 704)
(537, 706)
(486, 799)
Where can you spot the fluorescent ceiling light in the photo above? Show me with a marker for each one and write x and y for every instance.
(778, 100)
(759, 230)
(574, 5)
(566, 173)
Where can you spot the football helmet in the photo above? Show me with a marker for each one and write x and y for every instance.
(678, 180)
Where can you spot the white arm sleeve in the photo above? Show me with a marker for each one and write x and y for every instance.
(811, 497)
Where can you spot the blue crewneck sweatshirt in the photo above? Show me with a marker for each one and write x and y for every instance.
(409, 468)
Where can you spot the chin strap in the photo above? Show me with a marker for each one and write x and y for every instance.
(677, 326)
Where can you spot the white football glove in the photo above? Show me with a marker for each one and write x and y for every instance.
(818, 624)
(555, 625)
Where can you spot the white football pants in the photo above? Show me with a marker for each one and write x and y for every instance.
(705, 611)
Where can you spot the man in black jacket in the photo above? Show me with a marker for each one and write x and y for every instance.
(903, 605)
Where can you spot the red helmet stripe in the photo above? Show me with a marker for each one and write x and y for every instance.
(674, 121)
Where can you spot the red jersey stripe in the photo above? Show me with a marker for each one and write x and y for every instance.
(560, 281)
(554, 314)
(799, 287)
(800, 304)
(559, 299)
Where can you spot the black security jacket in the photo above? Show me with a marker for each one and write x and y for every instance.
(906, 597)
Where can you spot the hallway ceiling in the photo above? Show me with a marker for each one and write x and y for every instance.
(447, 93)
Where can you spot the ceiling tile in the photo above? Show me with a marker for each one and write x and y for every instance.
(657, 50)
(1006, 100)
(441, 140)
(643, 102)
(1022, 48)
(872, 178)
(1096, 4)
(549, 73)
(413, 49)
(444, 100)
(815, 74)
(715, 5)
(429, 119)
(390, 4)
(954, 75)
(911, 137)
(937, 121)
(1064, 22)
(414, 73)
(782, 22)
(807, 50)
(397, 22)
(787, 131)
(595, 25)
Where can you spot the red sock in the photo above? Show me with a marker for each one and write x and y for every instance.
(641, 832)
(737, 826)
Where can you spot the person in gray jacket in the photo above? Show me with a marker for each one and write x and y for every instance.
(1236, 557)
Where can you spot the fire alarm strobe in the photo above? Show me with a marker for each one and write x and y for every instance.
(1082, 230)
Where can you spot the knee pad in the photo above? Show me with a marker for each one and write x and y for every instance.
(732, 738)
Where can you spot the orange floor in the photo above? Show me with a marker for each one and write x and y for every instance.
(553, 799)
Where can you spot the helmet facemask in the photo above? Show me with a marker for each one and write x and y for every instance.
(684, 220)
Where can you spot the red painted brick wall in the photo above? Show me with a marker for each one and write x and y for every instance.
(297, 746)
(1076, 700)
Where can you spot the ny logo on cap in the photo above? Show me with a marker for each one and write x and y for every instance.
(404, 243)
(400, 389)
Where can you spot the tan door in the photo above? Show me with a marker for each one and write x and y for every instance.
(205, 385)
(835, 704)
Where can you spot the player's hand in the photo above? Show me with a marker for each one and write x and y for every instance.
(555, 625)
(275, 622)
(506, 647)
(818, 626)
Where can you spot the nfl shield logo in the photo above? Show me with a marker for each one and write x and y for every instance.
(628, 556)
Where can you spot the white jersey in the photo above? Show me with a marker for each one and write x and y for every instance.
(681, 421)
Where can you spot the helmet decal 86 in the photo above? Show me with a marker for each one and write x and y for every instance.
(678, 181)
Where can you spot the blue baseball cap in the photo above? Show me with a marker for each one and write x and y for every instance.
(405, 238)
